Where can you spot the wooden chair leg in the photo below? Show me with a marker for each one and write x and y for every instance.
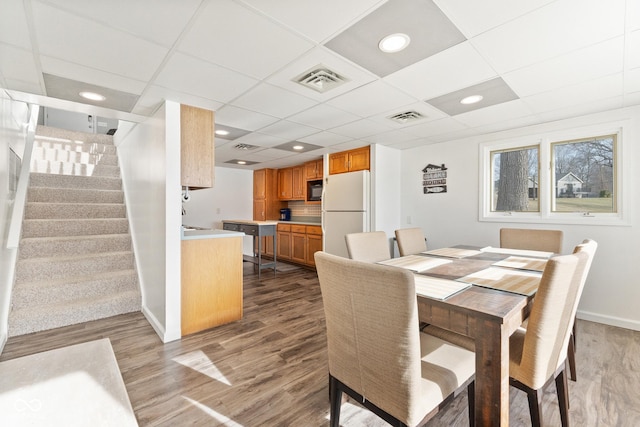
(471, 390)
(571, 358)
(335, 393)
(562, 388)
(535, 408)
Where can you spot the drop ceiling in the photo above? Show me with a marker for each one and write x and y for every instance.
(535, 61)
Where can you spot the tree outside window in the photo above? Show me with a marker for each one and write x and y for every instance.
(515, 183)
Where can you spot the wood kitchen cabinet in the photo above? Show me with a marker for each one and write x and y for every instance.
(211, 283)
(283, 232)
(313, 170)
(349, 161)
(298, 182)
(197, 148)
(291, 183)
(314, 243)
(299, 243)
(266, 204)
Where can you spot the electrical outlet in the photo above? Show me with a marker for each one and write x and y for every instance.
(409, 219)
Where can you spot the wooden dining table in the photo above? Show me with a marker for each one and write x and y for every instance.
(489, 317)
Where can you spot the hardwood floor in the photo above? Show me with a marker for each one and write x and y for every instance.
(269, 369)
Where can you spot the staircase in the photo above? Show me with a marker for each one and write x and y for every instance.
(75, 261)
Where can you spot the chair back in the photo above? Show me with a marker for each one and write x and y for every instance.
(372, 331)
(370, 246)
(552, 316)
(410, 241)
(535, 240)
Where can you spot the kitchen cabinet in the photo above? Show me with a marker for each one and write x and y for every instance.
(197, 148)
(349, 161)
(313, 170)
(266, 204)
(314, 243)
(291, 183)
(284, 241)
(211, 282)
(299, 243)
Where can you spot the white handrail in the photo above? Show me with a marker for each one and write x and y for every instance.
(17, 213)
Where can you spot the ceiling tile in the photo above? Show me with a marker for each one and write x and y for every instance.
(584, 108)
(321, 56)
(59, 87)
(361, 129)
(13, 24)
(429, 29)
(288, 130)
(552, 30)
(18, 65)
(83, 41)
(587, 92)
(184, 73)
(495, 113)
(323, 116)
(273, 100)
(494, 91)
(260, 139)
(632, 81)
(389, 138)
(325, 139)
(154, 96)
(455, 68)
(371, 99)
(475, 17)
(436, 127)
(232, 35)
(169, 16)
(427, 112)
(243, 119)
(323, 22)
(578, 66)
(632, 42)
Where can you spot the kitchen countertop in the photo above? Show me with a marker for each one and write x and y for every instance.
(198, 233)
(249, 221)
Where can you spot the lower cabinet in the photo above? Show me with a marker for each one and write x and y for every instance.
(314, 243)
(298, 243)
(211, 288)
(284, 241)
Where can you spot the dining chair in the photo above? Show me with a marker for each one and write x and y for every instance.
(410, 241)
(369, 246)
(376, 353)
(531, 239)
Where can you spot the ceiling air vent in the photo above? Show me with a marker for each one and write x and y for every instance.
(320, 79)
(406, 117)
(245, 147)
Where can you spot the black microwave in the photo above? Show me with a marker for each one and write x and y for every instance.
(314, 191)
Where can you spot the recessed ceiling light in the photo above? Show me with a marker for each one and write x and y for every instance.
(298, 147)
(471, 99)
(92, 96)
(394, 43)
(242, 162)
(222, 132)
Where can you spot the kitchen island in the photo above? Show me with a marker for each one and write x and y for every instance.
(257, 229)
(211, 278)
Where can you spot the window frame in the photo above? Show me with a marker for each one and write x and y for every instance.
(545, 141)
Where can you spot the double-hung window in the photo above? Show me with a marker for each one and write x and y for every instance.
(562, 177)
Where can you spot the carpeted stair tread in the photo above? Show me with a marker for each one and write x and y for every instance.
(81, 157)
(70, 135)
(74, 195)
(47, 316)
(62, 290)
(35, 247)
(76, 146)
(48, 210)
(33, 269)
(70, 181)
(73, 227)
(75, 169)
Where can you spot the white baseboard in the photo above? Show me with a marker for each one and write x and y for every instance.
(609, 320)
(159, 327)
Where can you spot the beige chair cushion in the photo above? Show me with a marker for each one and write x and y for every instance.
(374, 345)
(534, 240)
(370, 246)
(410, 241)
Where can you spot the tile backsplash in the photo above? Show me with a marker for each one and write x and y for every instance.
(301, 209)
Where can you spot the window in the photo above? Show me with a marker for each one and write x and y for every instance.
(572, 177)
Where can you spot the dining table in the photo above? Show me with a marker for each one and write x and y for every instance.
(487, 315)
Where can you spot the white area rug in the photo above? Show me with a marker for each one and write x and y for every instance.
(79, 385)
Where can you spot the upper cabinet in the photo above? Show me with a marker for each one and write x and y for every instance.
(349, 161)
(266, 204)
(196, 147)
(313, 170)
(291, 183)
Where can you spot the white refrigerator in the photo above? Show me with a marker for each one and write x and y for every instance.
(345, 209)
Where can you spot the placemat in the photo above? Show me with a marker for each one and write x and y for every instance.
(435, 288)
(452, 252)
(522, 263)
(504, 279)
(415, 263)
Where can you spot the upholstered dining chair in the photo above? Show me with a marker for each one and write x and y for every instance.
(410, 241)
(531, 239)
(376, 353)
(369, 246)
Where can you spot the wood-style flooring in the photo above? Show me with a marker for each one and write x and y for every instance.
(270, 368)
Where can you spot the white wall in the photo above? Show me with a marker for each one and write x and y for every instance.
(385, 190)
(230, 198)
(12, 136)
(149, 155)
(611, 294)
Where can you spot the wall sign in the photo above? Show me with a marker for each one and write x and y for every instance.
(434, 179)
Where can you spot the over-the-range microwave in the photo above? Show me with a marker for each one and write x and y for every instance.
(314, 191)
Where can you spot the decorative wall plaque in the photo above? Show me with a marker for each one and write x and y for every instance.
(434, 179)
